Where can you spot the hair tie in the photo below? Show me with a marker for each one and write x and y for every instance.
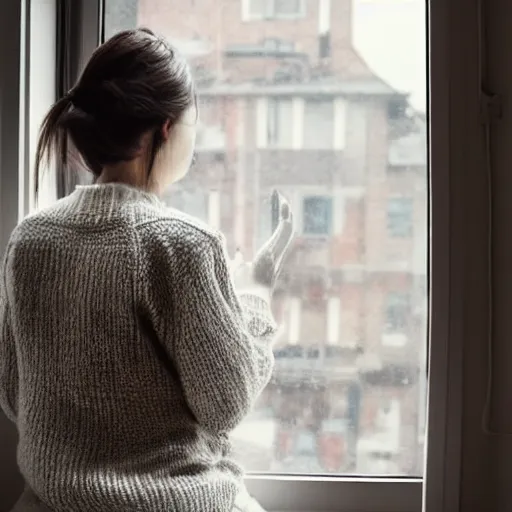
(70, 95)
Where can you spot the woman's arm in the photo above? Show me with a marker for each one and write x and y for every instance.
(8, 363)
(219, 342)
(223, 351)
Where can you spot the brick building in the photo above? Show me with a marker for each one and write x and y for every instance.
(287, 103)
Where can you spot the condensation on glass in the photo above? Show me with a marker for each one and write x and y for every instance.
(288, 102)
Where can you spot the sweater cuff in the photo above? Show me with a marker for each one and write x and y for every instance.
(258, 315)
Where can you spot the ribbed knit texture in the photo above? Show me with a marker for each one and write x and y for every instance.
(126, 357)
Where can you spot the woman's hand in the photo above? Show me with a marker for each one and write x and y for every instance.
(259, 277)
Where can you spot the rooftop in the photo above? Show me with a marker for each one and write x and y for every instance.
(371, 86)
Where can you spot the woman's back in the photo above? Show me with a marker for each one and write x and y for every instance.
(103, 418)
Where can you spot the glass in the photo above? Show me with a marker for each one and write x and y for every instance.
(324, 101)
(318, 123)
(400, 216)
(317, 215)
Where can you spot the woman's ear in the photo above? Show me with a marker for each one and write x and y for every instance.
(166, 130)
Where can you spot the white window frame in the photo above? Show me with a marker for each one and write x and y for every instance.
(324, 16)
(333, 320)
(452, 65)
(294, 309)
(42, 88)
(271, 13)
(340, 124)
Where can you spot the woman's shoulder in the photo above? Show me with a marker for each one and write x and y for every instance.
(178, 232)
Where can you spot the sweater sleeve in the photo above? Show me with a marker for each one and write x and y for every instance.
(8, 363)
(219, 342)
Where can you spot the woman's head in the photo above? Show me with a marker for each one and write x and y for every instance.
(131, 116)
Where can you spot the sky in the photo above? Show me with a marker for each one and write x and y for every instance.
(391, 36)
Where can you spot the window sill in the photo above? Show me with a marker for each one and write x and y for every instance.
(328, 494)
(277, 17)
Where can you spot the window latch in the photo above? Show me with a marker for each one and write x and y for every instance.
(491, 108)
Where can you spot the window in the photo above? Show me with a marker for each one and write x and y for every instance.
(317, 215)
(378, 451)
(284, 8)
(280, 127)
(400, 220)
(257, 8)
(319, 124)
(274, 9)
(279, 122)
(318, 414)
(397, 319)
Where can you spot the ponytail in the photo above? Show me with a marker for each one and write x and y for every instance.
(132, 85)
(53, 138)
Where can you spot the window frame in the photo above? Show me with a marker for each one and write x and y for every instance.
(314, 494)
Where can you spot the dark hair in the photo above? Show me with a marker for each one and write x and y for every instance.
(132, 84)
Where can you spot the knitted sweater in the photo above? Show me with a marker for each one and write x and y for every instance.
(126, 357)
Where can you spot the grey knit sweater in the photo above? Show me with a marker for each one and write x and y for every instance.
(126, 357)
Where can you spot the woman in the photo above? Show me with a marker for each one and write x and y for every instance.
(126, 355)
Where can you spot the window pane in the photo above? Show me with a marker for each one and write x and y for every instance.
(280, 130)
(397, 318)
(288, 7)
(330, 109)
(258, 7)
(400, 221)
(317, 215)
(319, 125)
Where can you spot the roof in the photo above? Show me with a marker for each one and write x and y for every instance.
(371, 86)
